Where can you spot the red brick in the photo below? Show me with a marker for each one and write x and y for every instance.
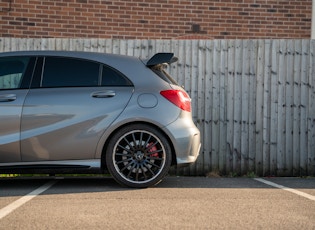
(144, 19)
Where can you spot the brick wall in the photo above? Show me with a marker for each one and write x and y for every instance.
(156, 19)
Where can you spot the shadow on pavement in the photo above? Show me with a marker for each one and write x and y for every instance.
(20, 186)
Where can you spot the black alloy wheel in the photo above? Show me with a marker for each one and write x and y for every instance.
(138, 156)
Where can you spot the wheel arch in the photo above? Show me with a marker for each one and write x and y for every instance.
(103, 161)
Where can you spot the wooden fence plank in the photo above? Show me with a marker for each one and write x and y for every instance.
(244, 106)
(274, 106)
(259, 125)
(252, 105)
(130, 46)
(303, 107)
(206, 140)
(297, 111)
(230, 107)
(296, 106)
(173, 69)
(201, 79)
(222, 106)
(23, 44)
(181, 64)
(187, 78)
(215, 106)
(237, 113)
(311, 111)
(289, 65)
(196, 109)
(281, 103)
(1, 44)
(264, 164)
(7, 44)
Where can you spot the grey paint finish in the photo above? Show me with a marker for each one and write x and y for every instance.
(10, 122)
(66, 123)
(71, 127)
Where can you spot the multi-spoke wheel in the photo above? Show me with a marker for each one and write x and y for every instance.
(138, 156)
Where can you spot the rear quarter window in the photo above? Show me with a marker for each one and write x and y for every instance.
(111, 77)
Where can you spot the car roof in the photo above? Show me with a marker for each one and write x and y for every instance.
(94, 56)
(132, 67)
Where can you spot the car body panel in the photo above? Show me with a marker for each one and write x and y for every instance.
(185, 137)
(163, 114)
(10, 123)
(71, 117)
(68, 127)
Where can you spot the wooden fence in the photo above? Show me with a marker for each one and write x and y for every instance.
(253, 100)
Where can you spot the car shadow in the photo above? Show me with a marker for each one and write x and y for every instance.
(20, 186)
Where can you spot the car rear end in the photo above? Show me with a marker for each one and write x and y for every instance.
(155, 130)
(183, 133)
(159, 100)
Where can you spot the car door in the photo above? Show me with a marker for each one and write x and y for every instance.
(15, 75)
(68, 109)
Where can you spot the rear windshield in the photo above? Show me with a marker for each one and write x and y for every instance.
(159, 70)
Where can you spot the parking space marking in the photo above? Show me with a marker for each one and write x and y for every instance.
(18, 203)
(297, 192)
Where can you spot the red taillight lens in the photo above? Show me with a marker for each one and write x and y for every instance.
(180, 98)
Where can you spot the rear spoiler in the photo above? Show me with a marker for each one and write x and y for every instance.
(160, 58)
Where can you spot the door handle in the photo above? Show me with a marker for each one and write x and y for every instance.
(7, 97)
(104, 94)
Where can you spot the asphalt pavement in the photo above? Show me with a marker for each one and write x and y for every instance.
(175, 203)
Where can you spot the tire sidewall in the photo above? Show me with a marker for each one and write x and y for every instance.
(110, 151)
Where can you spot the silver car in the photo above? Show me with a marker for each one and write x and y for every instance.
(73, 112)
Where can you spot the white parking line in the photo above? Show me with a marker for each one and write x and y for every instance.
(297, 192)
(18, 203)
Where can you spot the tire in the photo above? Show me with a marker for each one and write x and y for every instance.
(138, 156)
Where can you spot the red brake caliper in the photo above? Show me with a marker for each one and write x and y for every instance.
(152, 150)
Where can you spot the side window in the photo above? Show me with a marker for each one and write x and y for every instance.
(69, 72)
(12, 70)
(111, 77)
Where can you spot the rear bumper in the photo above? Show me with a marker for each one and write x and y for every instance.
(189, 159)
(185, 137)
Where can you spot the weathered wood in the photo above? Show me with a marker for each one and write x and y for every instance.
(187, 82)
(207, 118)
(311, 111)
(252, 105)
(274, 106)
(215, 106)
(230, 107)
(296, 106)
(237, 134)
(253, 100)
(200, 78)
(289, 67)
(281, 170)
(267, 108)
(245, 75)
(195, 93)
(304, 107)
(222, 107)
(258, 95)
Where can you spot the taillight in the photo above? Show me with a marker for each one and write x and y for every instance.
(178, 97)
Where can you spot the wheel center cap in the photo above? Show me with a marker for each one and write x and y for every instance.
(139, 155)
